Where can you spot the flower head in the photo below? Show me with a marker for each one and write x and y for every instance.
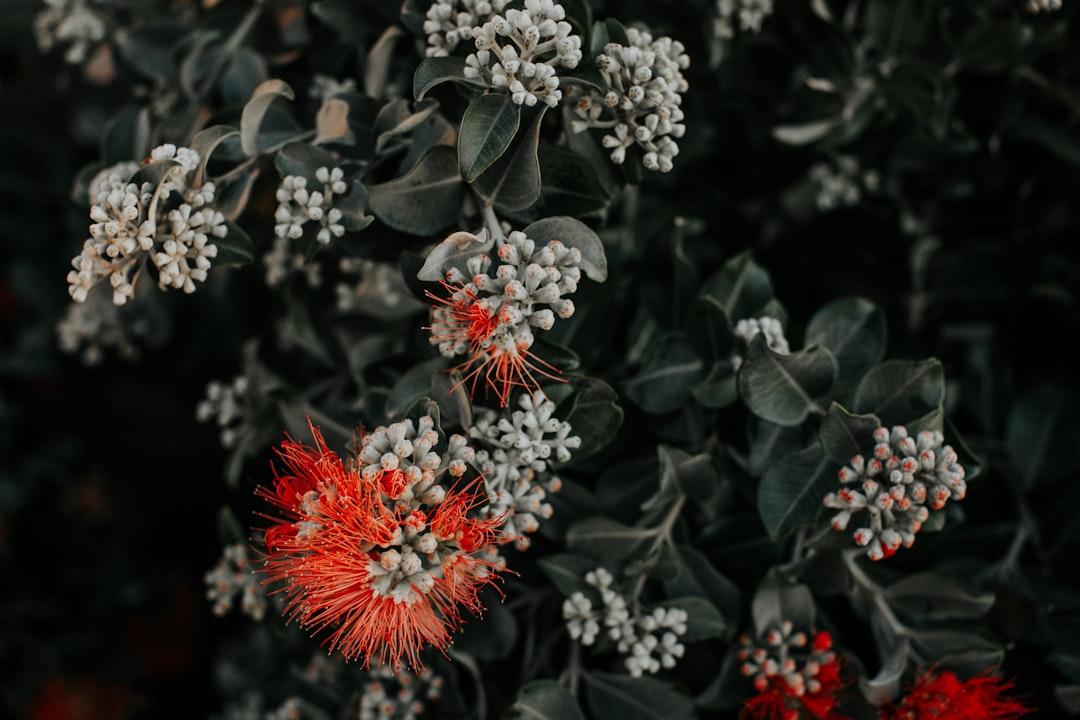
(894, 486)
(378, 554)
(943, 696)
(795, 676)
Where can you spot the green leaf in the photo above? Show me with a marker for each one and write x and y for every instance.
(571, 232)
(694, 476)
(453, 252)
(937, 596)
(205, 142)
(396, 119)
(668, 371)
(127, 136)
(492, 638)
(410, 387)
(697, 576)
(434, 71)
(792, 490)
(781, 388)
(235, 249)
(776, 600)
(353, 207)
(426, 199)
(487, 127)
(770, 443)
(1040, 437)
(594, 416)
(303, 159)
(513, 181)
(843, 434)
(155, 172)
(567, 572)
(608, 540)
(899, 391)
(571, 184)
(853, 329)
(629, 698)
(993, 46)
(718, 389)
(252, 116)
(230, 531)
(544, 700)
(740, 289)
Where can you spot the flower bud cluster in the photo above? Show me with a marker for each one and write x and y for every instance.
(519, 52)
(789, 663)
(97, 324)
(841, 183)
(893, 487)
(747, 15)
(516, 467)
(379, 289)
(643, 104)
(650, 640)
(79, 24)
(398, 696)
(326, 86)
(132, 223)
(1037, 6)
(230, 405)
(449, 22)
(233, 577)
(297, 205)
(495, 304)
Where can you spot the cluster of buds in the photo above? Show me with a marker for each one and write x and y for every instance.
(95, 325)
(378, 290)
(297, 205)
(794, 676)
(79, 24)
(494, 305)
(519, 52)
(770, 327)
(1038, 6)
(841, 182)
(230, 406)
(326, 86)
(233, 577)
(643, 102)
(381, 553)
(449, 22)
(650, 640)
(398, 696)
(134, 222)
(894, 486)
(747, 15)
(516, 468)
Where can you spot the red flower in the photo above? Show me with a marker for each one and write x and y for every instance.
(787, 691)
(943, 696)
(383, 576)
(495, 339)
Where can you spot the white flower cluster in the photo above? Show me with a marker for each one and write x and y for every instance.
(789, 655)
(391, 695)
(326, 86)
(519, 52)
(841, 183)
(746, 14)
(643, 103)
(650, 641)
(496, 311)
(97, 324)
(297, 205)
(402, 462)
(379, 289)
(770, 327)
(132, 223)
(230, 406)
(233, 577)
(894, 486)
(448, 22)
(1037, 6)
(79, 24)
(522, 445)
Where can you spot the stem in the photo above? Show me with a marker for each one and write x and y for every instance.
(872, 590)
(573, 670)
(491, 222)
(662, 534)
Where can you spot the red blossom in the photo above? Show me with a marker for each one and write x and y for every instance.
(943, 696)
(325, 552)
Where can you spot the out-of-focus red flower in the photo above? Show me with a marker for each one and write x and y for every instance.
(87, 699)
(368, 557)
(943, 696)
(788, 690)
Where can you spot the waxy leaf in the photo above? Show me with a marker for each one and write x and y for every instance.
(487, 127)
(544, 700)
(453, 252)
(434, 71)
(571, 232)
(781, 388)
(844, 434)
(251, 118)
(777, 600)
(594, 415)
(235, 249)
(424, 200)
(628, 698)
(853, 329)
(899, 391)
(740, 289)
(513, 181)
(670, 368)
(792, 490)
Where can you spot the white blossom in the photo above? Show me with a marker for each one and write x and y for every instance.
(230, 406)
(744, 15)
(233, 576)
(1037, 6)
(298, 205)
(79, 24)
(841, 182)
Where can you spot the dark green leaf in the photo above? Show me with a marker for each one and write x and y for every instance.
(792, 490)
(1041, 435)
(843, 434)
(567, 572)
(697, 576)
(494, 636)
(434, 71)
(740, 289)
(453, 252)
(777, 600)
(899, 391)
(230, 531)
(235, 249)
(770, 443)
(410, 387)
(303, 159)
(594, 416)
(781, 388)
(487, 127)
(609, 541)
(628, 698)
(936, 596)
(544, 700)
(670, 368)
(694, 476)
(571, 232)
(853, 329)
(571, 184)
(206, 142)
(252, 117)
(993, 46)
(718, 389)
(513, 181)
(426, 199)
(127, 137)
